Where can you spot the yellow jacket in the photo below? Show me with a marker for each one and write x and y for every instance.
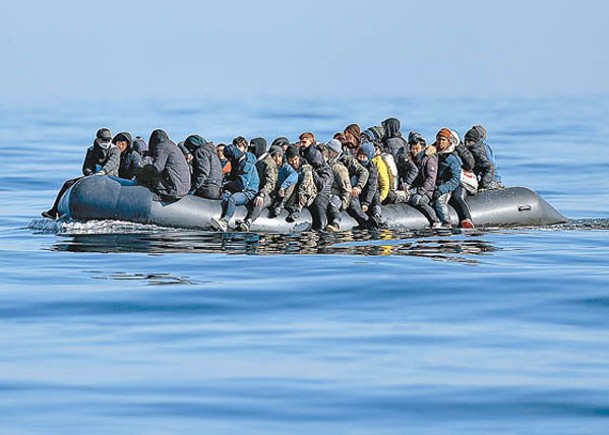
(381, 167)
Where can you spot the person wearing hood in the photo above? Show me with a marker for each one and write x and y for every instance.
(206, 180)
(240, 188)
(484, 157)
(267, 166)
(393, 141)
(130, 158)
(352, 138)
(168, 176)
(102, 158)
(365, 208)
(449, 174)
(141, 147)
(323, 177)
(420, 177)
(341, 186)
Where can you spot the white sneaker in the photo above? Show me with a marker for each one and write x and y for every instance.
(219, 224)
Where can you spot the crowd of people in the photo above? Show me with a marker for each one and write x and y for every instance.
(356, 171)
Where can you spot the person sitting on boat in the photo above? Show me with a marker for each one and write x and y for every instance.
(130, 158)
(141, 147)
(168, 176)
(206, 180)
(267, 166)
(305, 141)
(365, 208)
(240, 188)
(305, 190)
(287, 177)
(385, 179)
(282, 142)
(341, 187)
(393, 141)
(352, 138)
(224, 162)
(323, 178)
(419, 176)
(102, 158)
(458, 198)
(484, 168)
(449, 174)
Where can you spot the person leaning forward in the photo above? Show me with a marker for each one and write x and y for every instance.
(102, 158)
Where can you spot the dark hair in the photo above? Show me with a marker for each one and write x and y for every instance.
(240, 140)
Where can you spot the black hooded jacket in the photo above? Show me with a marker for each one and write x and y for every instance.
(393, 141)
(206, 166)
(168, 174)
(130, 158)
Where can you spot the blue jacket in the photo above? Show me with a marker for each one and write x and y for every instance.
(244, 175)
(287, 176)
(449, 173)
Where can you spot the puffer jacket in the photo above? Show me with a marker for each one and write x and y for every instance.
(468, 161)
(383, 176)
(483, 167)
(449, 171)
(102, 161)
(206, 166)
(130, 159)
(426, 163)
(168, 174)
(407, 170)
(393, 141)
(244, 175)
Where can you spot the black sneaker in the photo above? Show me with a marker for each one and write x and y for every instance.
(244, 226)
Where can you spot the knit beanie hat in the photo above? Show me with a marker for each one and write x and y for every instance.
(473, 135)
(368, 150)
(335, 146)
(355, 131)
(414, 136)
(445, 132)
(275, 149)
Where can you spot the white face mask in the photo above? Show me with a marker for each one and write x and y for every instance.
(104, 145)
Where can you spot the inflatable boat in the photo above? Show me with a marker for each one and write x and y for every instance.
(102, 197)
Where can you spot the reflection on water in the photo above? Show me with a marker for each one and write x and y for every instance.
(150, 278)
(445, 245)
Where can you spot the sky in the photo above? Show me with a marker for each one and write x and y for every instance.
(232, 49)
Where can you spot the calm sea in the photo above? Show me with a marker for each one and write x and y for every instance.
(119, 328)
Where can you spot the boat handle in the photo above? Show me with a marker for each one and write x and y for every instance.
(525, 207)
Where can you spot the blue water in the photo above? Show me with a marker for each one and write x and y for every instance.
(110, 327)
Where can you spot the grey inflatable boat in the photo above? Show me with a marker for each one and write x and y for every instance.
(101, 197)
